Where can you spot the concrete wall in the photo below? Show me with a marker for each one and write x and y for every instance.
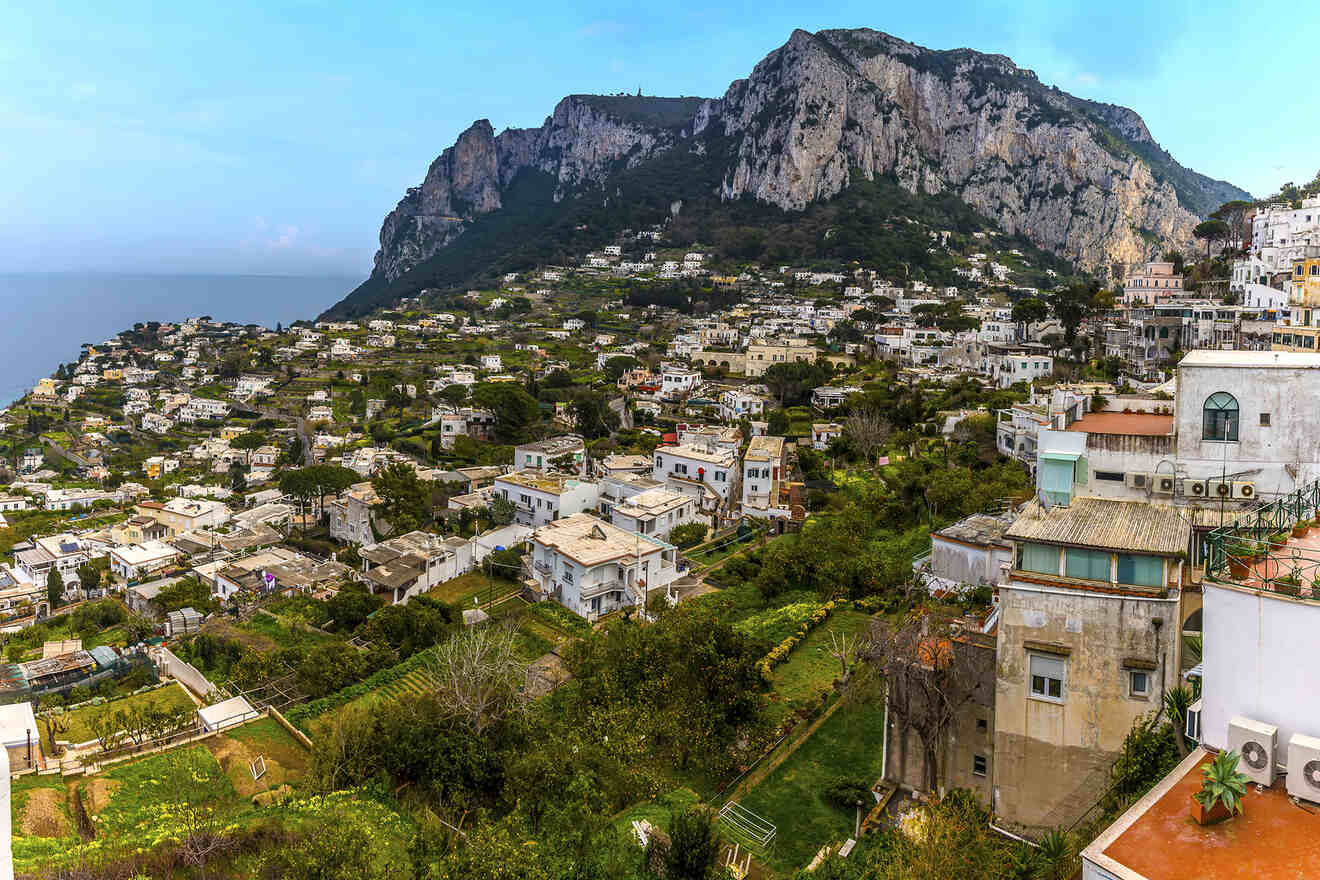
(1291, 396)
(1256, 663)
(1052, 760)
(965, 563)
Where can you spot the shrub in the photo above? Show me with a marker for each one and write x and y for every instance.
(846, 793)
(687, 535)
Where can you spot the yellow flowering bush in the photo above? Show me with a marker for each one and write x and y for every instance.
(779, 653)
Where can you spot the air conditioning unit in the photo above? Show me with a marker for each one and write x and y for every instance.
(1255, 742)
(1304, 767)
(1245, 491)
(1217, 489)
(1164, 485)
(1195, 488)
(1138, 481)
(1192, 724)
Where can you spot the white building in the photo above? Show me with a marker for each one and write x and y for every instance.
(569, 449)
(707, 473)
(593, 567)
(132, 562)
(654, 512)
(823, 432)
(763, 478)
(542, 498)
(736, 403)
(676, 382)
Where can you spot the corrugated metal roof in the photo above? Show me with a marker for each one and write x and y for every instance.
(1105, 524)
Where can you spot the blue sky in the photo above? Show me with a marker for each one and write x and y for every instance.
(273, 137)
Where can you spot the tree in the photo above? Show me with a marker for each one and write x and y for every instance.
(54, 588)
(792, 383)
(237, 479)
(1211, 230)
(777, 423)
(233, 365)
(501, 510)
(476, 676)
(620, 364)
(1030, 310)
(689, 534)
(89, 576)
(454, 395)
(247, 442)
(593, 416)
(352, 605)
(1071, 304)
(931, 677)
(514, 409)
(405, 499)
(694, 847)
(317, 481)
(867, 431)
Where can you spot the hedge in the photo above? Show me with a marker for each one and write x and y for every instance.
(299, 715)
(780, 652)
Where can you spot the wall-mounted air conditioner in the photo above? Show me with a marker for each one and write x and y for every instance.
(1137, 481)
(1255, 742)
(1244, 490)
(1164, 485)
(1192, 724)
(1195, 488)
(1217, 489)
(1304, 767)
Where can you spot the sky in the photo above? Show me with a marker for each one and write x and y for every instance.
(270, 137)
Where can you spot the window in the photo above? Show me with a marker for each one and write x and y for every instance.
(978, 765)
(1040, 558)
(1138, 683)
(982, 725)
(1047, 675)
(1141, 571)
(1112, 476)
(1220, 417)
(1264, 420)
(1091, 565)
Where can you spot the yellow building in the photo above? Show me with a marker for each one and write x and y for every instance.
(229, 432)
(112, 374)
(1300, 330)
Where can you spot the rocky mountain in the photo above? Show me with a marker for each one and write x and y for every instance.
(818, 115)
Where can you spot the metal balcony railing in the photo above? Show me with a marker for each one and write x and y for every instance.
(1259, 547)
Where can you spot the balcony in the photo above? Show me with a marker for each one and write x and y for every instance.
(543, 568)
(1264, 548)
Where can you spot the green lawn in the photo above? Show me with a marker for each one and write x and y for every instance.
(79, 720)
(461, 589)
(811, 668)
(848, 744)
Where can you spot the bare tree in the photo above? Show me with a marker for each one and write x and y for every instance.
(867, 430)
(477, 676)
(843, 647)
(934, 671)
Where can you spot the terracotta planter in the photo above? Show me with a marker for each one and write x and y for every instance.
(1287, 589)
(1217, 813)
(1300, 531)
(1238, 567)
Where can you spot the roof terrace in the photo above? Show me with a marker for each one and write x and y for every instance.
(1274, 547)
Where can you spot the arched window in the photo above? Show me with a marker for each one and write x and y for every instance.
(1220, 417)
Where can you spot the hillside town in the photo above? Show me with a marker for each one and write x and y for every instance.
(1036, 540)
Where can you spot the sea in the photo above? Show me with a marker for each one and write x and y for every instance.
(45, 318)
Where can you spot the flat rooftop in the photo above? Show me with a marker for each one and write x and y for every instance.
(1139, 424)
(1281, 359)
(589, 541)
(1158, 840)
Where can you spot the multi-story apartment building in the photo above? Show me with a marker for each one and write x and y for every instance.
(541, 498)
(764, 479)
(593, 567)
(567, 452)
(1147, 285)
(655, 512)
(707, 473)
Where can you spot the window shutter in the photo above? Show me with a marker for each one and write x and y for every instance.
(1081, 477)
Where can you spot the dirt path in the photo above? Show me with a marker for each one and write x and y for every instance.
(42, 816)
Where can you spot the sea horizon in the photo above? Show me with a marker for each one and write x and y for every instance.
(53, 313)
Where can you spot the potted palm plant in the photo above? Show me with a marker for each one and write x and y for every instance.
(1222, 790)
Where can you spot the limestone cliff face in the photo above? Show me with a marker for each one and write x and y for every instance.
(1081, 178)
(578, 144)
